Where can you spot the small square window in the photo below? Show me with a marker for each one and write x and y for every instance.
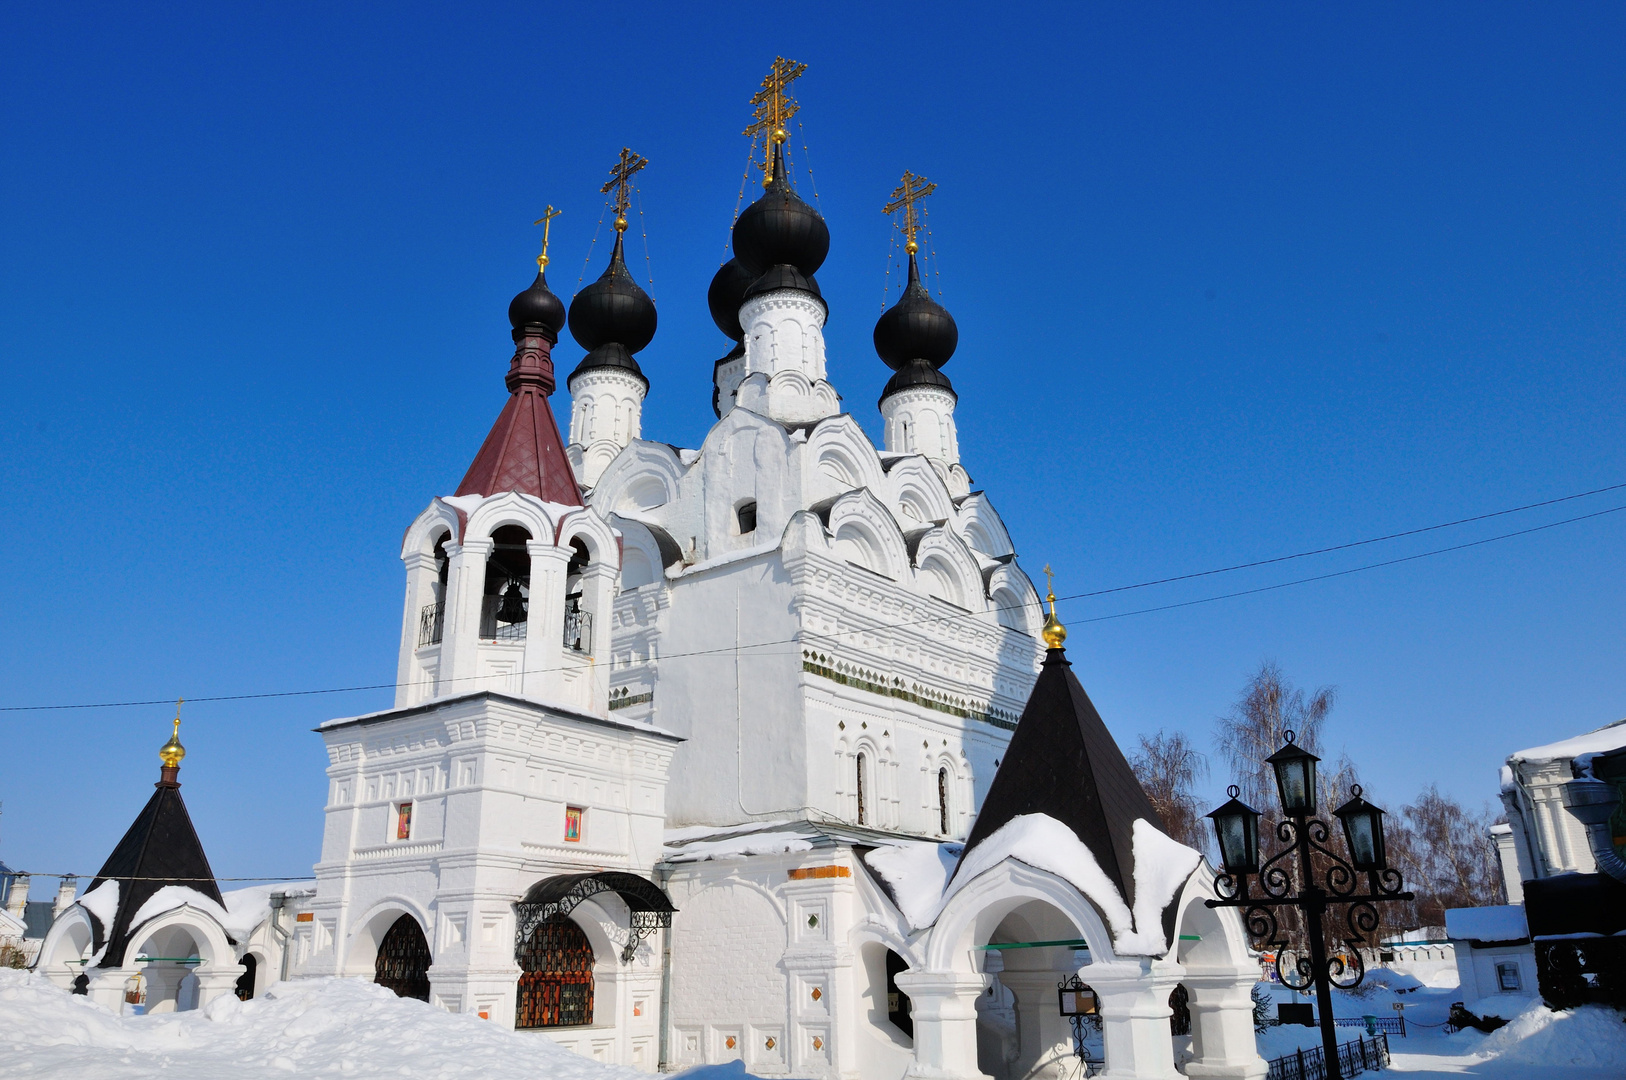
(403, 821)
(573, 824)
(1507, 976)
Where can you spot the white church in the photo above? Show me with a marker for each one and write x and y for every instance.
(761, 750)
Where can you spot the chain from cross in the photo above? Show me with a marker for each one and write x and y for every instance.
(620, 177)
(774, 108)
(904, 197)
(546, 221)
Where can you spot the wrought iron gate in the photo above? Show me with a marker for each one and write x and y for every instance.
(556, 988)
(403, 960)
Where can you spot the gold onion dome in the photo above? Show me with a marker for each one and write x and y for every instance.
(1054, 633)
(171, 753)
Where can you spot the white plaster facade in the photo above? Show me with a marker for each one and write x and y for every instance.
(606, 413)
(920, 420)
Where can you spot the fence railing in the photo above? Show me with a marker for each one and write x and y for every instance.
(578, 629)
(1389, 1025)
(1363, 1055)
(431, 624)
(491, 629)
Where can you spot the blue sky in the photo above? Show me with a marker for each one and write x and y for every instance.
(1231, 282)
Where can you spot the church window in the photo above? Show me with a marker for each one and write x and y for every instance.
(863, 810)
(556, 981)
(504, 609)
(942, 801)
(573, 824)
(1180, 1014)
(747, 516)
(403, 821)
(403, 960)
(1507, 976)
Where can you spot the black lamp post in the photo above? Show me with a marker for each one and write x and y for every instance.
(1303, 836)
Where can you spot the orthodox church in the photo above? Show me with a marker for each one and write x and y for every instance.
(762, 750)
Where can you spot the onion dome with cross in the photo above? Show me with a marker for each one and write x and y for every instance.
(613, 317)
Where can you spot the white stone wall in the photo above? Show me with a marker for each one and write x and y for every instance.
(606, 413)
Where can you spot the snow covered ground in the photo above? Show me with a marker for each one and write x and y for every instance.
(1580, 1044)
(354, 1030)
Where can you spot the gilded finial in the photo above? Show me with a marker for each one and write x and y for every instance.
(1054, 633)
(546, 221)
(904, 197)
(172, 752)
(774, 107)
(620, 177)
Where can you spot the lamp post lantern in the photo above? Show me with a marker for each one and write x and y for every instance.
(1304, 838)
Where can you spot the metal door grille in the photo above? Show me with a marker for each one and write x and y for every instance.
(556, 987)
(403, 960)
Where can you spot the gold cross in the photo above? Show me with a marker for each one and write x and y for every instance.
(904, 196)
(178, 703)
(774, 107)
(620, 176)
(546, 221)
(1050, 585)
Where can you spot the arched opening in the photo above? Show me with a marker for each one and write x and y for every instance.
(943, 801)
(1020, 1029)
(556, 981)
(402, 964)
(861, 767)
(578, 614)
(432, 619)
(746, 515)
(505, 607)
(1180, 1012)
(168, 959)
(245, 981)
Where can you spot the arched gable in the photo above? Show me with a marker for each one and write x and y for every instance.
(511, 508)
(368, 932)
(70, 939)
(643, 476)
(1013, 599)
(839, 457)
(593, 531)
(646, 551)
(913, 483)
(981, 526)
(942, 558)
(859, 525)
(976, 909)
(214, 945)
(1205, 938)
(437, 518)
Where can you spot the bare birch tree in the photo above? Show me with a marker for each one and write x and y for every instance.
(1168, 767)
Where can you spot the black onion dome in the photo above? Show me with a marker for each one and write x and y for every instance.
(725, 296)
(537, 306)
(916, 328)
(917, 373)
(781, 228)
(612, 318)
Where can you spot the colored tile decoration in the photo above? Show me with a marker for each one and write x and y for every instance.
(817, 993)
(818, 1043)
(769, 1043)
(573, 824)
(729, 1042)
(806, 872)
(403, 821)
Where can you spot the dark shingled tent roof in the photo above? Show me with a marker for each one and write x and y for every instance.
(161, 848)
(1062, 761)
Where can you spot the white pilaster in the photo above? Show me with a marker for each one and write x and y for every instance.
(1134, 997)
(943, 1006)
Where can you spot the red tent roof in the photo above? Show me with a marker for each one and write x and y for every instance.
(524, 452)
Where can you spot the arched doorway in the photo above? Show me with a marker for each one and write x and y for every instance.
(556, 984)
(403, 960)
(245, 981)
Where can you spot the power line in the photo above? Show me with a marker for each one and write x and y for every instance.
(803, 635)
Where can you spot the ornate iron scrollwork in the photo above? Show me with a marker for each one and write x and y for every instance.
(650, 909)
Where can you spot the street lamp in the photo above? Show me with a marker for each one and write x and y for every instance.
(1305, 837)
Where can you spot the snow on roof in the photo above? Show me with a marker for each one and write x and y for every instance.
(1503, 922)
(1609, 737)
(102, 902)
(760, 838)
(915, 873)
(1161, 867)
(171, 897)
(248, 908)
